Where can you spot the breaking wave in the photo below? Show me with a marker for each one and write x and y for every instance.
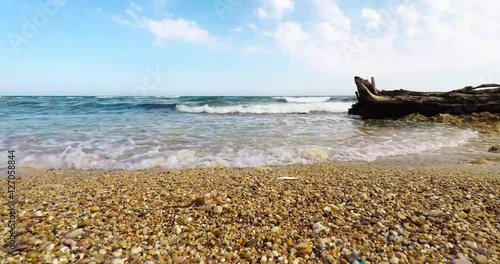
(303, 99)
(291, 108)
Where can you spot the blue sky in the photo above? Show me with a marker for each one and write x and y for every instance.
(238, 47)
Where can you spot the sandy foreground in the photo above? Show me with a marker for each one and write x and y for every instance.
(324, 213)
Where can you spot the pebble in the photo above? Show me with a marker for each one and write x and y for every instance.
(318, 228)
(118, 261)
(462, 215)
(95, 209)
(117, 253)
(480, 259)
(75, 233)
(472, 244)
(301, 246)
(136, 250)
(178, 259)
(460, 261)
(69, 242)
(394, 260)
(218, 209)
(276, 222)
(321, 244)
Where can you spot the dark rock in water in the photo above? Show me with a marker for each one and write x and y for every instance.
(494, 149)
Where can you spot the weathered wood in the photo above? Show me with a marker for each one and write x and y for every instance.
(374, 87)
(379, 104)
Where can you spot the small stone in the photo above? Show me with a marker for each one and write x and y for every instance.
(321, 244)
(177, 259)
(75, 233)
(339, 222)
(472, 244)
(177, 229)
(301, 246)
(318, 228)
(327, 209)
(480, 259)
(118, 261)
(38, 214)
(275, 253)
(468, 197)
(275, 229)
(462, 215)
(32, 255)
(251, 243)
(460, 261)
(353, 257)
(245, 255)
(263, 259)
(69, 242)
(218, 209)
(117, 253)
(394, 260)
(136, 250)
(95, 209)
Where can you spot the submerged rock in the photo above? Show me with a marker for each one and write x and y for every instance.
(494, 149)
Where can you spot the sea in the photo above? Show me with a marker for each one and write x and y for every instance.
(172, 132)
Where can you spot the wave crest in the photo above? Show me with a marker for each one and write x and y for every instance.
(303, 99)
(292, 108)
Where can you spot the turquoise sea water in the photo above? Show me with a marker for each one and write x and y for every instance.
(184, 132)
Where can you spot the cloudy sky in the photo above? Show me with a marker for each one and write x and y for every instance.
(242, 47)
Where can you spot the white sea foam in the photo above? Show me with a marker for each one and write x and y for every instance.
(330, 107)
(131, 156)
(403, 144)
(169, 96)
(105, 97)
(304, 99)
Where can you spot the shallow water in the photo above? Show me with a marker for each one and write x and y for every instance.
(183, 132)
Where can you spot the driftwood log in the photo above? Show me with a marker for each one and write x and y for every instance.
(376, 104)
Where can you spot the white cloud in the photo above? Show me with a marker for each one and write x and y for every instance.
(118, 19)
(331, 13)
(290, 35)
(237, 29)
(165, 30)
(278, 9)
(262, 13)
(282, 7)
(422, 35)
(253, 27)
(179, 29)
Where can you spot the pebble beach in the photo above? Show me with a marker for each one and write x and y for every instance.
(322, 213)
